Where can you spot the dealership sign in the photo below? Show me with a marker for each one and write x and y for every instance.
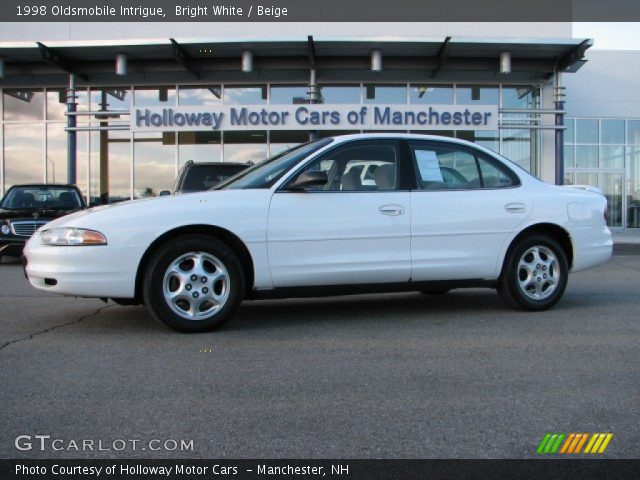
(315, 117)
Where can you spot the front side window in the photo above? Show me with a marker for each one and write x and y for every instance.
(450, 167)
(363, 166)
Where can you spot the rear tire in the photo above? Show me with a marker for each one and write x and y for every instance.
(535, 274)
(194, 283)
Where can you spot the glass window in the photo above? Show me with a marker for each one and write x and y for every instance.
(612, 131)
(114, 98)
(611, 156)
(57, 104)
(633, 192)
(587, 178)
(289, 94)
(586, 156)
(155, 96)
(154, 162)
(447, 167)
(568, 156)
(22, 105)
(364, 166)
(633, 131)
(339, 94)
(110, 160)
(611, 185)
(568, 178)
(281, 140)
(495, 175)
(520, 146)
(569, 133)
(586, 131)
(477, 95)
(56, 153)
(200, 95)
(246, 95)
(486, 138)
(431, 94)
(245, 146)
(521, 97)
(23, 154)
(387, 94)
(199, 147)
(441, 167)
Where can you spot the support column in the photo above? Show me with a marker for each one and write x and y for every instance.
(71, 134)
(313, 98)
(559, 140)
(104, 151)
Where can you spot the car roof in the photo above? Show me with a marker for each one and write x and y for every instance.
(404, 136)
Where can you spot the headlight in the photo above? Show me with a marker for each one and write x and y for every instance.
(72, 236)
(6, 230)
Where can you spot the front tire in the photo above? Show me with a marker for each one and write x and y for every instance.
(535, 274)
(194, 283)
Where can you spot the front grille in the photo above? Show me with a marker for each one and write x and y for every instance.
(26, 228)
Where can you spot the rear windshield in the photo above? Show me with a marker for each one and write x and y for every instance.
(203, 177)
(50, 198)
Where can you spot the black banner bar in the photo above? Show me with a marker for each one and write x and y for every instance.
(328, 469)
(318, 10)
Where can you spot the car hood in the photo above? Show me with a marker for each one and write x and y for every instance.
(34, 213)
(138, 221)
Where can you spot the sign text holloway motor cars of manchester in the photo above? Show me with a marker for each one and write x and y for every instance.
(315, 117)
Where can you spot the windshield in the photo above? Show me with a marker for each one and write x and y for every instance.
(42, 197)
(266, 174)
(203, 177)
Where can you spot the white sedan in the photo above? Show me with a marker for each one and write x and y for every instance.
(440, 214)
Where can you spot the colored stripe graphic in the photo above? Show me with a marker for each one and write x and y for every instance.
(550, 443)
(573, 443)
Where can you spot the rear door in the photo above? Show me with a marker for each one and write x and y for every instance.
(466, 205)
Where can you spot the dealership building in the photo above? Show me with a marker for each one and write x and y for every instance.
(147, 97)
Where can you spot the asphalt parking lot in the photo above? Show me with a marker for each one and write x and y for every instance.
(379, 376)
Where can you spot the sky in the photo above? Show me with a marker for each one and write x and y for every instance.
(610, 35)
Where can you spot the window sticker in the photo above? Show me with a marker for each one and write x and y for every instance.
(428, 166)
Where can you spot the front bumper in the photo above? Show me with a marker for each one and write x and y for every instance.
(84, 271)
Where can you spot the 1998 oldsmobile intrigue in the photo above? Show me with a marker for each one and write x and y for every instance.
(353, 214)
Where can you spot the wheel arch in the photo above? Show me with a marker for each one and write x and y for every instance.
(553, 230)
(224, 235)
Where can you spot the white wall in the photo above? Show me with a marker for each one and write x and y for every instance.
(69, 31)
(608, 85)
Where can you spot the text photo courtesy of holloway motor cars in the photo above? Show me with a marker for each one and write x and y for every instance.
(347, 241)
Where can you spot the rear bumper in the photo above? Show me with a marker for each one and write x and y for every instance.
(592, 246)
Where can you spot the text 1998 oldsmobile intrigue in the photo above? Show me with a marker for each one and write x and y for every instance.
(353, 214)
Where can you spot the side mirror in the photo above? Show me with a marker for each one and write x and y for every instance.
(309, 179)
(164, 193)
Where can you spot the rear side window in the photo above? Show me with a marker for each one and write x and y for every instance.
(453, 167)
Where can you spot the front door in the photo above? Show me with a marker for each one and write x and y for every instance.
(353, 230)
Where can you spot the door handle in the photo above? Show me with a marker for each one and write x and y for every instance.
(515, 207)
(392, 210)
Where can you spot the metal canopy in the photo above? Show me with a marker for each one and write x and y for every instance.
(95, 60)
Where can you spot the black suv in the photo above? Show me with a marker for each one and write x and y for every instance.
(196, 177)
(25, 208)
